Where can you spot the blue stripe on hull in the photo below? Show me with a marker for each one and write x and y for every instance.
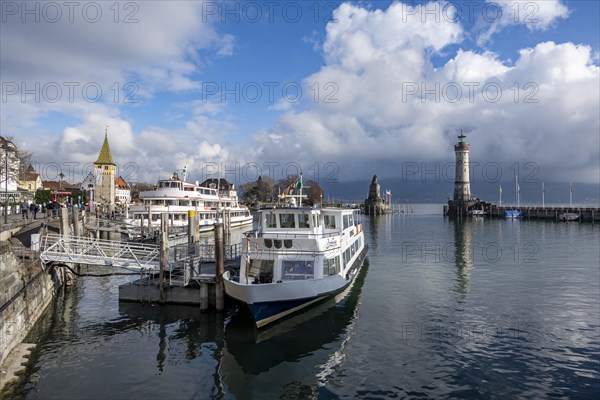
(262, 311)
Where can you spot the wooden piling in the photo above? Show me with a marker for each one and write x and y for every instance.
(193, 229)
(75, 220)
(64, 222)
(220, 267)
(97, 223)
(150, 232)
(203, 296)
(164, 246)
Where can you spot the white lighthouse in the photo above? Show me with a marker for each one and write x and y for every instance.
(462, 186)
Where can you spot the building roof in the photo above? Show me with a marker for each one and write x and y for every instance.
(105, 156)
(57, 185)
(30, 174)
(120, 183)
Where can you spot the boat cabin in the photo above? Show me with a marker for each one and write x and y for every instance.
(300, 244)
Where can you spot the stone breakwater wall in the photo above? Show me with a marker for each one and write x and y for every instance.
(26, 289)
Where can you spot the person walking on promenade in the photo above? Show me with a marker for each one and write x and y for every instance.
(24, 209)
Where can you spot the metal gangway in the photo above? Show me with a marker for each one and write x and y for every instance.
(184, 262)
(139, 257)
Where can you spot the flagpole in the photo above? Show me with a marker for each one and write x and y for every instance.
(543, 192)
(517, 188)
(570, 194)
(500, 195)
(300, 201)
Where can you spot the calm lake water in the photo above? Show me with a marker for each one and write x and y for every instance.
(445, 309)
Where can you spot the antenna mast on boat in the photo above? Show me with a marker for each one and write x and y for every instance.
(185, 173)
(300, 191)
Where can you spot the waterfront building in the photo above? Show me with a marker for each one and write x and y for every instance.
(61, 191)
(104, 170)
(31, 181)
(122, 191)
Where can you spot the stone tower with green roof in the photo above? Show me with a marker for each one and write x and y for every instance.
(105, 192)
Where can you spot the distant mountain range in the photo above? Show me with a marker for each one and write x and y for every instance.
(417, 191)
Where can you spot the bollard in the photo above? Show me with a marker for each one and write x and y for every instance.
(219, 264)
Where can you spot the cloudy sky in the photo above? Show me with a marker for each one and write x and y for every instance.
(342, 90)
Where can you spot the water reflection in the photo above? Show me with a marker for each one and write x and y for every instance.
(306, 341)
(463, 253)
(373, 222)
(303, 343)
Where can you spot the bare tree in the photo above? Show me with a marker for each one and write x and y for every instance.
(138, 187)
(261, 190)
(10, 164)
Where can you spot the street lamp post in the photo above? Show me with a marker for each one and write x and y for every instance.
(5, 147)
(60, 184)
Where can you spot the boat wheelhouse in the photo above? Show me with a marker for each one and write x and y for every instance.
(213, 201)
(297, 257)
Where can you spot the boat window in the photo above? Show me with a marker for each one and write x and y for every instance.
(171, 202)
(271, 221)
(351, 216)
(262, 270)
(286, 221)
(331, 266)
(303, 221)
(297, 270)
(329, 221)
(346, 221)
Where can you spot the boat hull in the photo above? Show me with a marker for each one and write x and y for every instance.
(272, 301)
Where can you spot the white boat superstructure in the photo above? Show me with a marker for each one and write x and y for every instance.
(215, 200)
(298, 256)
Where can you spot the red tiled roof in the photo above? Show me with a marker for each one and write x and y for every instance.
(55, 185)
(120, 183)
(30, 176)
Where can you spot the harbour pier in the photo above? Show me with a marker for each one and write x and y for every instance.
(553, 213)
(169, 273)
(581, 214)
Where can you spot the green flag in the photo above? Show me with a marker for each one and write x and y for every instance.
(299, 185)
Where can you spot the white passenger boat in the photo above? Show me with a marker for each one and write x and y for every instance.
(215, 200)
(298, 256)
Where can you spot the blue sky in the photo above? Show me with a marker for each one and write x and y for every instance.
(367, 61)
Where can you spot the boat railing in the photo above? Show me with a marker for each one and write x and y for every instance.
(288, 235)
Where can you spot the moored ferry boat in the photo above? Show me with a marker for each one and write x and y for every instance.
(298, 256)
(215, 200)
